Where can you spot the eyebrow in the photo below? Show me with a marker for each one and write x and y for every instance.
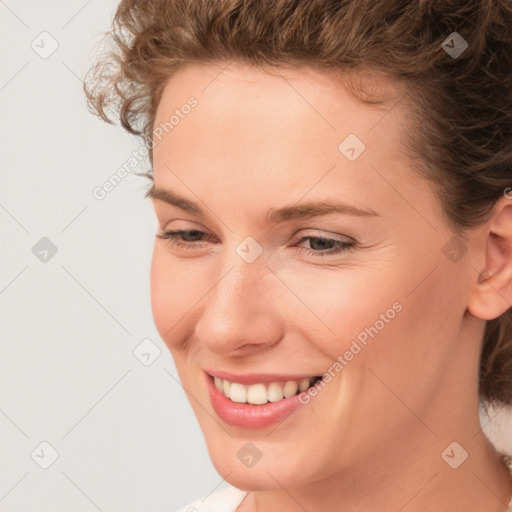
(275, 215)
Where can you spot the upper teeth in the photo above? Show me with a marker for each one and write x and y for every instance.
(259, 394)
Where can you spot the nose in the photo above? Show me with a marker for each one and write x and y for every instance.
(239, 315)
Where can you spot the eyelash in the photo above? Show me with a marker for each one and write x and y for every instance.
(172, 239)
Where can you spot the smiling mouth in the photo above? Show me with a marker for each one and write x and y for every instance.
(262, 393)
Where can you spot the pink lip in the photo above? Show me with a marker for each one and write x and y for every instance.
(255, 378)
(248, 415)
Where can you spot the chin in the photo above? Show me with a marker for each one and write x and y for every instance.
(257, 478)
(272, 471)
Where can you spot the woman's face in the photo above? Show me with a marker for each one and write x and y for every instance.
(270, 285)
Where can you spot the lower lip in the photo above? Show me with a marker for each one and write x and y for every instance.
(248, 415)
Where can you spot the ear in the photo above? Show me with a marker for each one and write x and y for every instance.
(491, 294)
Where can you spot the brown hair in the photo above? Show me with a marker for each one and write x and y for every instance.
(460, 122)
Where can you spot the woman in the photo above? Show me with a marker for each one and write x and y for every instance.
(333, 267)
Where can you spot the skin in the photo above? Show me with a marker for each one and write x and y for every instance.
(372, 438)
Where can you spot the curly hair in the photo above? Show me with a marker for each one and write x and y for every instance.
(460, 105)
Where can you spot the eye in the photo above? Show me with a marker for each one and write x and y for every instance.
(185, 238)
(322, 246)
(318, 246)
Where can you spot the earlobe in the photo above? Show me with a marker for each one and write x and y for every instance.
(492, 291)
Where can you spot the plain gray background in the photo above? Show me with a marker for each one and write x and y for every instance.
(124, 433)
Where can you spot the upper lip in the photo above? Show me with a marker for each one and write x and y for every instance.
(256, 378)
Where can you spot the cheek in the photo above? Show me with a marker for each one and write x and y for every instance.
(173, 293)
(413, 349)
(393, 312)
(345, 303)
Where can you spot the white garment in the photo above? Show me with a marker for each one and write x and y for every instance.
(229, 498)
(223, 500)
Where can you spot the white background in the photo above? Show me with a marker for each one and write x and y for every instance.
(124, 432)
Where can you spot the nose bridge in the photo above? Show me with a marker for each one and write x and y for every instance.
(236, 291)
(243, 271)
(237, 310)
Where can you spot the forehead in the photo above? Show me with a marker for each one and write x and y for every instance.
(281, 93)
(260, 133)
(255, 106)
